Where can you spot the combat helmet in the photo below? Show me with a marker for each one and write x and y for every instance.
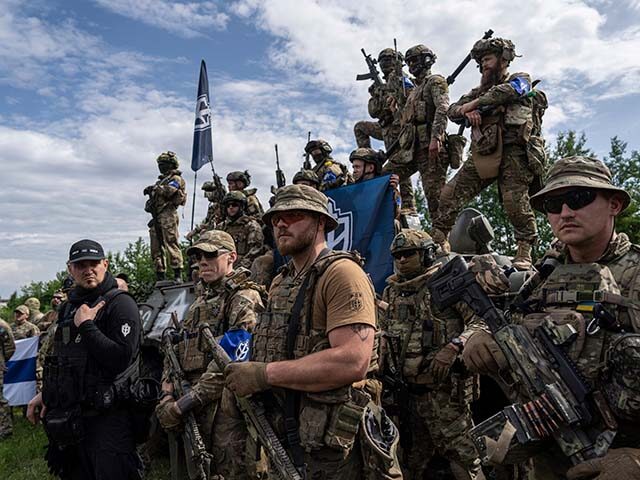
(235, 196)
(244, 177)
(387, 59)
(169, 159)
(424, 53)
(307, 176)
(318, 144)
(409, 239)
(500, 46)
(369, 155)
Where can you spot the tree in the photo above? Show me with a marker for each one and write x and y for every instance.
(137, 263)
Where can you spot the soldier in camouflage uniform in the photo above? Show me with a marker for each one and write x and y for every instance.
(215, 212)
(35, 315)
(228, 301)
(423, 344)
(306, 177)
(315, 343)
(52, 315)
(423, 136)
(332, 174)
(597, 266)
(22, 327)
(246, 231)
(7, 347)
(238, 182)
(506, 145)
(165, 196)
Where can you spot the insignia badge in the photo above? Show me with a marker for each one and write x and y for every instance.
(126, 329)
(78, 339)
(242, 351)
(355, 302)
(342, 237)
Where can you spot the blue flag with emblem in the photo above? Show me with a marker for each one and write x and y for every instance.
(237, 344)
(202, 143)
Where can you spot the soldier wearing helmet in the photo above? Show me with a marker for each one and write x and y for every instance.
(239, 181)
(506, 145)
(332, 174)
(422, 344)
(165, 196)
(423, 122)
(35, 315)
(245, 230)
(306, 177)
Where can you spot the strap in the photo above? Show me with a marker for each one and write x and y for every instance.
(497, 449)
(599, 296)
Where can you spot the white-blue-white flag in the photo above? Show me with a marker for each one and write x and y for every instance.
(20, 378)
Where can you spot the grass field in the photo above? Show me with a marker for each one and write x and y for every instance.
(22, 454)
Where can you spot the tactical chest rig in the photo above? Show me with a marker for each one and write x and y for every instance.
(238, 230)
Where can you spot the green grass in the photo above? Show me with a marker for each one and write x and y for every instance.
(22, 454)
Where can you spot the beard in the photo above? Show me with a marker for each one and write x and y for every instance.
(290, 245)
(490, 78)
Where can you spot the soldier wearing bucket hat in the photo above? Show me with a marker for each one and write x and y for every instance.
(314, 344)
(594, 289)
(227, 301)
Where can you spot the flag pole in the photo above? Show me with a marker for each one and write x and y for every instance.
(193, 204)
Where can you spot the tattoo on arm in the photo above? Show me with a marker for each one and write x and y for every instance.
(362, 330)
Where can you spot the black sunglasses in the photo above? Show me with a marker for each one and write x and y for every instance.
(574, 199)
(198, 254)
(404, 254)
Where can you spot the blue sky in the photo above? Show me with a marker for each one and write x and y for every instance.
(92, 91)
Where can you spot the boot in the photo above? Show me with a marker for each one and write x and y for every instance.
(522, 260)
(160, 276)
(441, 239)
(177, 275)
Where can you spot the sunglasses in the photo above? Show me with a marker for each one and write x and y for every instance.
(404, 254)
(233, 204)
(198, 254)
(574, 199)
(288, 218)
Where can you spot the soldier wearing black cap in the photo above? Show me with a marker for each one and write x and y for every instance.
(88, 375)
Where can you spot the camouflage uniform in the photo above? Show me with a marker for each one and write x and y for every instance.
(507, 148)
(438, 414)
(35, 315)
(168, 193)
(8, 346)
(24, 329)
(332, 174)
(231, 303)
(254, 207)
(423, 119)
(246, 232)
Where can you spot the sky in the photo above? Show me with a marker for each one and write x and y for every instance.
(92, 91)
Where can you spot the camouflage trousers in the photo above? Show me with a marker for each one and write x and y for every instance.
(514, 179)
(432, 174)
(6, 423)
(169, 245)
(440, 425)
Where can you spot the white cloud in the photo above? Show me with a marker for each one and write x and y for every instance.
(186, 19)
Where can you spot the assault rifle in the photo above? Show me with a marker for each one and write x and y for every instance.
(257, 423)
(216, 187)
(373, 71)
(280, 180)
(307, 164)
(197, 458)
(400, 75)
(561, 403)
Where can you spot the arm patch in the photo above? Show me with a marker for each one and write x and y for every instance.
(521, 85)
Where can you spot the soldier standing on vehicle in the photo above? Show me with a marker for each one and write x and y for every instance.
(229, 301)
(423, 343)
(598, 271)
(332, 174)
(238, 182)
(506, 145)
(165, 196)
(245, 231)
(22, 327)
(7, 348)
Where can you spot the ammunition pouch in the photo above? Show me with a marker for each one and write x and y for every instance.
(379, 440)
(486, 147)
(420, 113)
(487, 137)
(64, 426)
(519, 116)
(455, 149)
(423, 135)
(465, 388)
(568, 326)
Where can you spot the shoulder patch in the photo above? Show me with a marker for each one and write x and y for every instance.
(174, 184)
(521, 85)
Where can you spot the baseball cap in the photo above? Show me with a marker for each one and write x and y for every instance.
(85, 250)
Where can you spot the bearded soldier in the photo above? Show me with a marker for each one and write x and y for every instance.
(332, 174)
(506, 145)
(423, 344)
(229, 301)
(165, 196)
(592, 292)
(238, 182)
(7, 348)
(245, 231)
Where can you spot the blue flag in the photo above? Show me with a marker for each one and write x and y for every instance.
(237, 344)
(202, 143)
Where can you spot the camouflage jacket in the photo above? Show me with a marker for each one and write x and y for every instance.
(424, 115)
(416, 329)
(7, 343)
(254, 207)
(332, 174)
(169, 192)
(24, 330)
(248, 236)
(379, 102)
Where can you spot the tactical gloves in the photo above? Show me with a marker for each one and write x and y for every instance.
(441, 363)
(168, 415)
(617, 464)
(246, 378)
(481, 354)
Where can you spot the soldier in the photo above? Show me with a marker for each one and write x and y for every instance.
(245, 230)
(22, 327)
(505, 145)
(306, 177)
(165, 196)
(238, 182)
(332, 174)
(52, 315)
(215, 212)
(597, 266)
(423, 344)
(35, 315)
(7, 348)
(315, 340)
(424, 123)
(228, 301)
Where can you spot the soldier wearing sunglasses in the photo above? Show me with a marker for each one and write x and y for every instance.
(594, 290)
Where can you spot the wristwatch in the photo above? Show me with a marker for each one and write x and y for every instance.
(458, 343)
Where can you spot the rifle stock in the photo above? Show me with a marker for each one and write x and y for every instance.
(307, 163)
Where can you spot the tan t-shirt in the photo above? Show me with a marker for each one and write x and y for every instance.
(343, 296)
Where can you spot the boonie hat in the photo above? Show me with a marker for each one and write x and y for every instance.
(301, 197)
(577, 171)
(85, 250)
(213, 241)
